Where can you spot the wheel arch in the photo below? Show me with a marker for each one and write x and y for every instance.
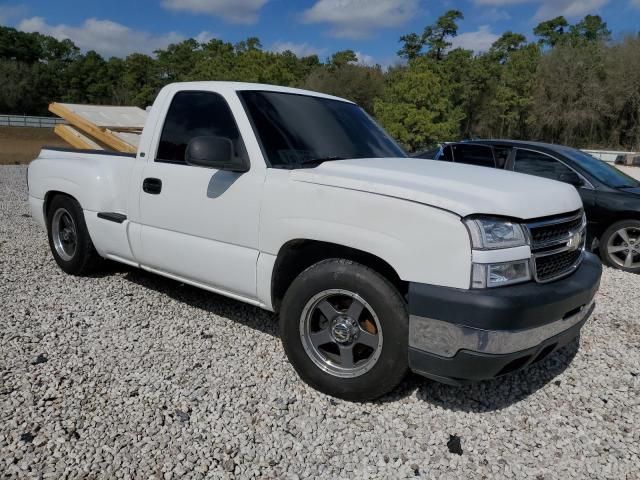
(608, 233)
(297, 255)
(616, 217)
(50, 195)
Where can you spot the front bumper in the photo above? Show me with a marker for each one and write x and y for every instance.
(457, 336)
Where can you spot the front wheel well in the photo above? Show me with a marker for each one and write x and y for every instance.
(297, 255)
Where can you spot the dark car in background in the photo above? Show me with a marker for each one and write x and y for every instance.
(611, 198)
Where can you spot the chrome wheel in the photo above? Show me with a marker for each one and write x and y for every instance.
(341, 333)
(64, 234)
(623, 247)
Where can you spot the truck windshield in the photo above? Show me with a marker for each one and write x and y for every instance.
(302, 130)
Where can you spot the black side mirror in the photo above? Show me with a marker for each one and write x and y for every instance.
(214, 152)
(571, 178)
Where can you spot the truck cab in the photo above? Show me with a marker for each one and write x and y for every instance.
(299, 203)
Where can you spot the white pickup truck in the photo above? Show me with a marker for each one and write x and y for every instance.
(299, 203)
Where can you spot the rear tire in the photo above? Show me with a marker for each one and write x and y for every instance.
(345, 330)
(69, 238)
(620, 246)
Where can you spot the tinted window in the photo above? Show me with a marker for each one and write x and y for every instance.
(607, 174)
(502, 155)
(196, 114)
(447, 154)
(540, 165)
(428, 154)
(474, 155)
(299, 129)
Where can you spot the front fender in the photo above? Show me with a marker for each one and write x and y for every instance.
(422, 243)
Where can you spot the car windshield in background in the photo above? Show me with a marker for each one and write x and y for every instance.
(303, 130)
(607, 174)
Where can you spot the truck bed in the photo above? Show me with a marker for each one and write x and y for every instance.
(87, 151)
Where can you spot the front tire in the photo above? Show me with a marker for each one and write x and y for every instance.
(620, 246)
(69, 238)
(344, 328)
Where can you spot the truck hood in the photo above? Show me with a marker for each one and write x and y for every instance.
(461, 189)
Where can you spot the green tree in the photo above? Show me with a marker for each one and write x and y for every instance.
(176, 62)
(590, 29)
(570, 104)
(19, 46)
(437, 37)
(342, 58)
(251, 43)
(215, 63)
(412, 45)
(86, 80)
(551, 32)
(359, 83)
(471, 79)
(416, 106)
(513, 96)
(509, 42)
(622, 95)
(141, 81)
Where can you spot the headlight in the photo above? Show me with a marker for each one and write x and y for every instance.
(489, 233)
(488, 275)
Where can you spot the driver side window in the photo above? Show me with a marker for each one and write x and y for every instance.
(196, 114)
(540, 165)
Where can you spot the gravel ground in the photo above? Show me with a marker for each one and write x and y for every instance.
(129, 375)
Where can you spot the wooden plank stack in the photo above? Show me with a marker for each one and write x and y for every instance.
(98, 127)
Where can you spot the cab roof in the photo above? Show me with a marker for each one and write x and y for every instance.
(522, 143)
(264, 87)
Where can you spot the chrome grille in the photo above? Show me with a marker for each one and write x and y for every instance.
(554, 233)
(557, 245)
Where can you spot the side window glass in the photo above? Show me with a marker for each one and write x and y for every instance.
(540, 165)
(502, 155)
(196, 114)
(479, 155)
(446, 154)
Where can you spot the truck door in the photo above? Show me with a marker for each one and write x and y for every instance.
(200, 224)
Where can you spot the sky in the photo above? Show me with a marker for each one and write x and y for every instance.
(372, 28)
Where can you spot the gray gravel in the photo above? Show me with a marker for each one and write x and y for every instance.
(130, 375)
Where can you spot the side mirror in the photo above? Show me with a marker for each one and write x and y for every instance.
(214, 152)
(572, 178)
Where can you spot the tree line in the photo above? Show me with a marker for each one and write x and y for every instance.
(571, 85)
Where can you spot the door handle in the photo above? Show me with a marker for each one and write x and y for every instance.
(152, 185)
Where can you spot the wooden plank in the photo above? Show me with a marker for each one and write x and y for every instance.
(124, 129)
(132, 138)
(93, 130)
(108, 116)
(75, 138)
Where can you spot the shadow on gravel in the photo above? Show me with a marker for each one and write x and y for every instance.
(480, 397)
(234, 310)
(108, 268)
(500, 393)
